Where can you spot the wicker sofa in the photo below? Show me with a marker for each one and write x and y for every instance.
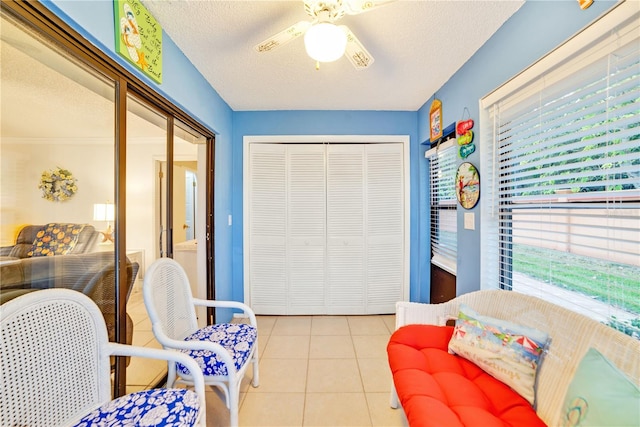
(418, 380)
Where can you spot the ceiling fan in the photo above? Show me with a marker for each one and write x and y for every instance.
(325, 41)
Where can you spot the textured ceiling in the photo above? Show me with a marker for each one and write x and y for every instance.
(417, 46)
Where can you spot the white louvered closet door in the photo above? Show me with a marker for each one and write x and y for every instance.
(326, 228)
(267, 228)
(365, 228)
(385, 233)
(306, 228)
(346, 229)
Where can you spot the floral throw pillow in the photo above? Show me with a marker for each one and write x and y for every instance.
(55, 239)
(509, 352)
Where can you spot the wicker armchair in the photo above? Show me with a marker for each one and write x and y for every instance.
(223, 350)
(55, 368)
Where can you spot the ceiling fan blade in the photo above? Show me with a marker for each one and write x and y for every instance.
(355, 51)
(283, 37)
(353, 7)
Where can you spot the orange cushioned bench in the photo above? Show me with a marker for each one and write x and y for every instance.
(437, 388)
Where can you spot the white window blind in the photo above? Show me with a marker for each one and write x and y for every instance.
(562, 174)
(444, 220)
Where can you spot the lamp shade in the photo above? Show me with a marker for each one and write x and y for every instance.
(325, 42)
(103, 212)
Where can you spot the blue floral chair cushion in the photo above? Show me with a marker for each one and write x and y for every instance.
(159, 407)
(237, 338)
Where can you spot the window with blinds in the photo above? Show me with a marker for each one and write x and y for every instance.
(444, 219)
(561, 218)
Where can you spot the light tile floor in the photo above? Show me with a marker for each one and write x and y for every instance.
(314, 371)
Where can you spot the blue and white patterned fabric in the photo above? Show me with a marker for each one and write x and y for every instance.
(159, 407)
(237, 338)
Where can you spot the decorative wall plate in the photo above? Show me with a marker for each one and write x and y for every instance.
(467, 185)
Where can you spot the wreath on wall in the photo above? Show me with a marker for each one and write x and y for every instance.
(57, 185)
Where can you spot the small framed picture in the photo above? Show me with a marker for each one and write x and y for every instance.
(435, 120)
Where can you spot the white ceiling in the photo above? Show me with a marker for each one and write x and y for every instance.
(417, 47)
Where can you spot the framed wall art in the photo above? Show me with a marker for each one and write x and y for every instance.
(435, 120)
(138, 37)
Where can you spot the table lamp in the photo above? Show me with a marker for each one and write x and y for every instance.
(105, 212)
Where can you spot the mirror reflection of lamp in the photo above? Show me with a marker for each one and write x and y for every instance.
(105, 212)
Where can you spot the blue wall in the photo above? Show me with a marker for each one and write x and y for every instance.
(533, 31)
(328, 123)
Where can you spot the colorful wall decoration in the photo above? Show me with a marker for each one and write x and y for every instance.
(138, 37)
(465, 138)
(467, 185)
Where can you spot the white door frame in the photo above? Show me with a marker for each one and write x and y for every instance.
(323, 139)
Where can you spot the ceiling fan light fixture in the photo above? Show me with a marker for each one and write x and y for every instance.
(325, 42)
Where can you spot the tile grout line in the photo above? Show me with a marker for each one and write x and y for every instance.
(364, 394)
(306, 381)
